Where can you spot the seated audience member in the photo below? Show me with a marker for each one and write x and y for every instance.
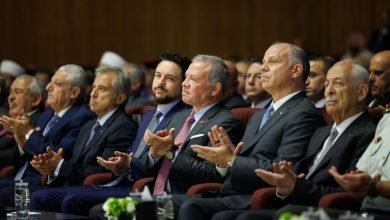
(126, 167)
(357, 49)
(9, 70)
(56, 127)
(112, 59)
(315, 82)
(253, 88)
(280, 132)
(232, 98)
(370, 181)
(171, 159)
(242, 67)
(380, 79)
(340, 144)
(113, 130)
(26, 94)
(137, 96)
(3, 97)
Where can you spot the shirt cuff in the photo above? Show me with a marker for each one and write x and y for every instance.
(27, 136)
(280, 196)
(151, 161)
(56, 172)
(222, 170)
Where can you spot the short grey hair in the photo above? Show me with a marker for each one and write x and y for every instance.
(36, 87)
(138, 74)
(121, 83)
(297, 56)
(359, 73)
(218, 71)
(76, 76)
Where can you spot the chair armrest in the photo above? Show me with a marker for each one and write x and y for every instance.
(265, 198)
(98, 178)
(340, 200)
(7, 171)
(203, 187)
(140, 184)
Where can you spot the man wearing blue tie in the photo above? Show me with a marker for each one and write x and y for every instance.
(125, 166)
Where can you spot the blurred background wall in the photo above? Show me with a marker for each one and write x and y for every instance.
(50, 32)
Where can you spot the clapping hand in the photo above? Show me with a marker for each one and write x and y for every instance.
(159, 143)
(47, 163)
(118, 164)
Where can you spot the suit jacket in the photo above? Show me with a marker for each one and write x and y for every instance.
(285, 136)
(237, 102)
(63, 134)
(117, 133)
(344, 154)
(137, 171)
(9, 152)
(188, 169)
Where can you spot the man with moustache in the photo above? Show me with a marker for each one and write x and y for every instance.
(253, 88)
(80, 199)
(26, 94)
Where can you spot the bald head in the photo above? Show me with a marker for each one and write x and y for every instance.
(380, 74)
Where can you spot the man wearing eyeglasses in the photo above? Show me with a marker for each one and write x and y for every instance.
(380, 79)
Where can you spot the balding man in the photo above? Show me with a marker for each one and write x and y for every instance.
(380, 79)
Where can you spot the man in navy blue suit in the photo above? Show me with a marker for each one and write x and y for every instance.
(57, 127)
(79, 199)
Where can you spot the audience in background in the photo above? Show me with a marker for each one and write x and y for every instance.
(232, 98)
(253, 89)
(315, 82)
(380, 79)
(9, 70)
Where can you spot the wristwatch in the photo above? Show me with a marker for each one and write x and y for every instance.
(170, 155)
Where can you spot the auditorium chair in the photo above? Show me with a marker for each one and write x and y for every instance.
(7, 171)
(340, 200)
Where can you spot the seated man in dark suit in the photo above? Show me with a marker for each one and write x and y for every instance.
(280, 132)
(114, 130)
(171, 159)
(57, 127)
(79, 199)
(340, 144)
(26, 94)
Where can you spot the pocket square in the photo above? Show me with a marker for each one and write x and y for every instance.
(197, 135)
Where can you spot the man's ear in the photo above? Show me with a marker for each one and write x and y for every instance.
(362, 91)
(120, 99)
(75, 92)
(217, 89)
(37, 99)
(297, 70)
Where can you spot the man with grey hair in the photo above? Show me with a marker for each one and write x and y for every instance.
(170, 158)
(57, 127)
(280, 132)
(26, 94)
(110, 134)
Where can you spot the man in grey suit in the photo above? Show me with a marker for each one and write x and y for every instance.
(170, 158)
(280, 132)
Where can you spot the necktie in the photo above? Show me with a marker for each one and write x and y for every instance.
(166, 165)
(152, 126)
(323, 152)
(267, 115)
(95, 128)
(51, 124)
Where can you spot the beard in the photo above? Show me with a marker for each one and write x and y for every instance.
(166, 99)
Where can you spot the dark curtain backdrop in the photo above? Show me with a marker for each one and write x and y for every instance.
(46, 32)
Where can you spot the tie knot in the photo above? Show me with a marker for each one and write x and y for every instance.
(157, 115)
(270, 109)
(190, 119)
(333, 133)
(96, 126)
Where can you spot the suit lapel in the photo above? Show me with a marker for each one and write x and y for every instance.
(276, 116)
(203, 121)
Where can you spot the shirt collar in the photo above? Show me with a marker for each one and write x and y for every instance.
(283, 100)
(344, 124)
(103, 119)
(63, 111)
(164, 110)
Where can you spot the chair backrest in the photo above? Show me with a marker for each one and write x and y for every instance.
(244, 114)
(326, 116)
(375, 114)
(7, 171)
